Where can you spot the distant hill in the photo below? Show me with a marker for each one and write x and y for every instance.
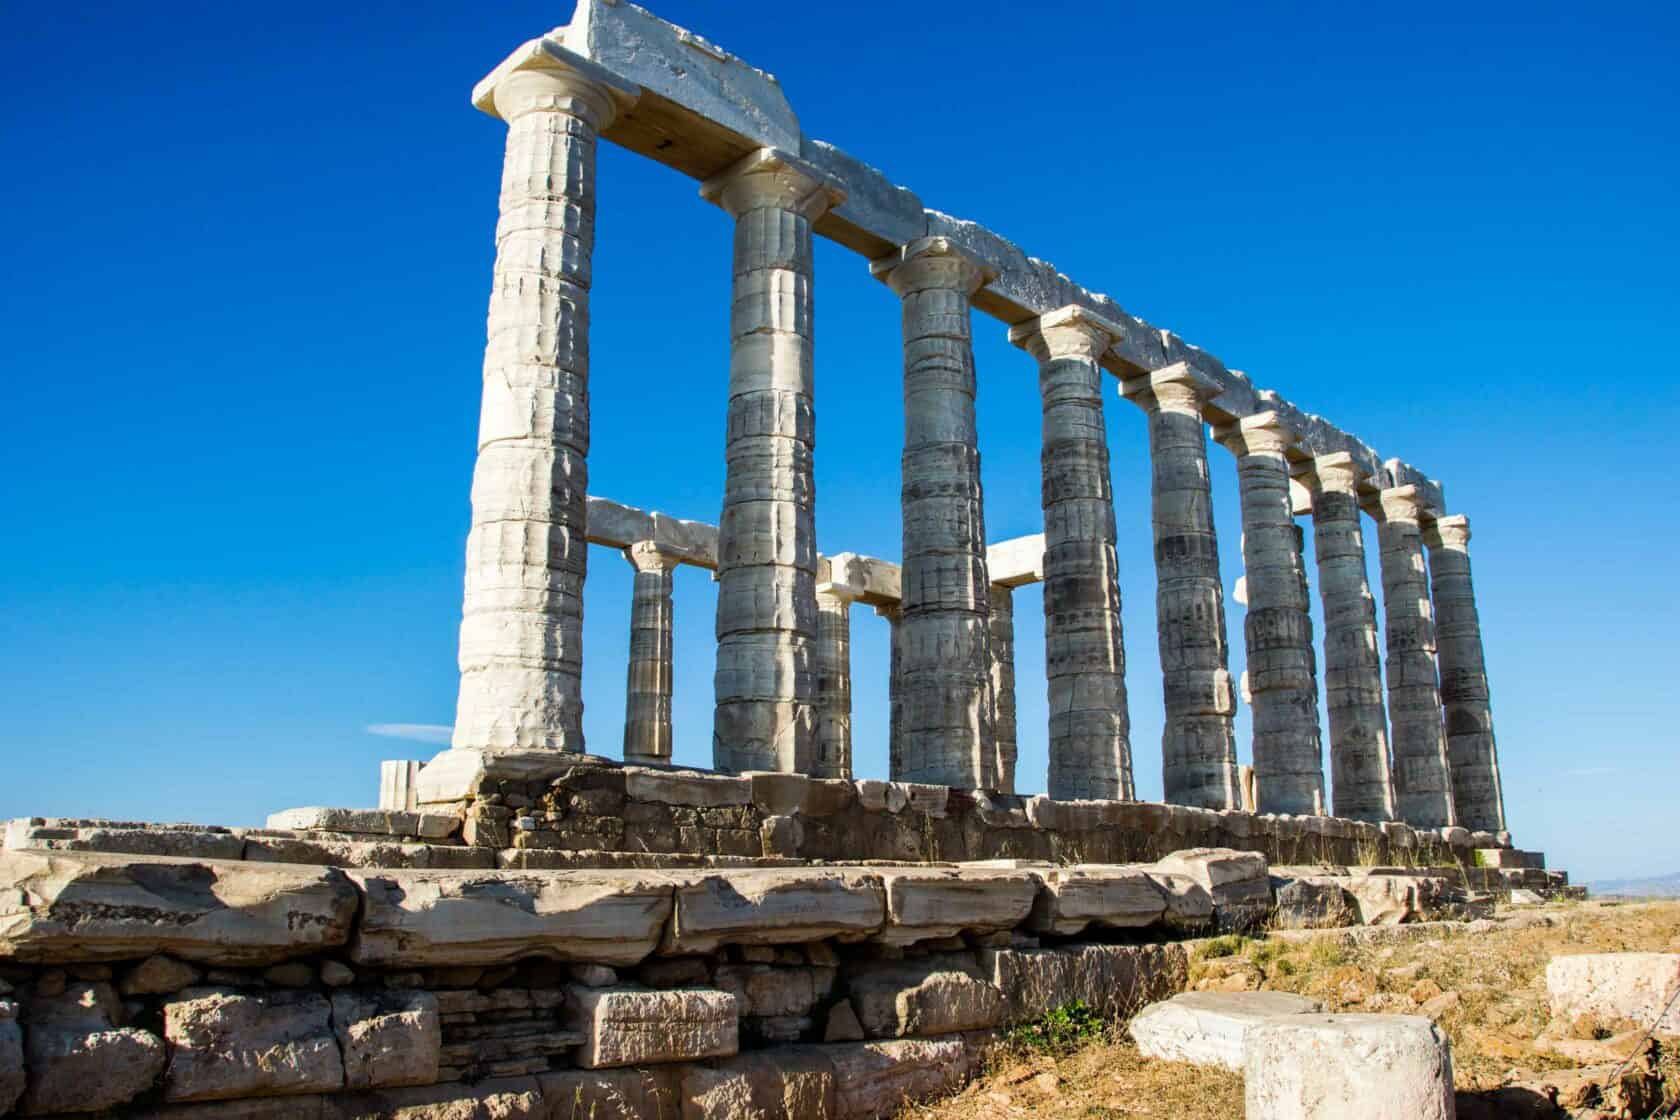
(1661, 886)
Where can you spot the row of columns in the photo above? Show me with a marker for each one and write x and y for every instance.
(782, 678)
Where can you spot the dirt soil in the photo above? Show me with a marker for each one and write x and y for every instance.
(1487, 990)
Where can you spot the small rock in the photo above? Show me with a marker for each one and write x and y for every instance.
(158, 975)
(1440, 1005)
(1424, 991)
(842, 1025)
(594, 975)
(293, 974)
(336, 975)
(1048, 1084)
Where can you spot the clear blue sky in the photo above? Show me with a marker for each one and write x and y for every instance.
(243, 313)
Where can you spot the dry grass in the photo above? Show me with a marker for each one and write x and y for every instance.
(1487, 990)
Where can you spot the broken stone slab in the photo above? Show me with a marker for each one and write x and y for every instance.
(878, 1078)
(944, 994)
(1207, 1028)
(389, 1038)
(225, 1044)
(773, 906)
(376, 822)
(1237, 881)
(926, 903)
(1189, 905)
(1617, 986)
(686, 787)
(1387, 897)
(1329, 1067)
(418, 918)
(362, 853)
(786, 1081)
(1112, 897)
(629, 1026)
(1112, 980)
(78, 1056)
(79, 907)
(177, 843)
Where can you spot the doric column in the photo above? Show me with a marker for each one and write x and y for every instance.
(767, 539)
(944, 680)
(1003, 685)
(1422, 782)
(1198, 748)
(834, 681)
(1085, 656)
(1477, 794)
(1361, 784)
(895, 690)
(647, 695)
(521, 652)
(1282, 671)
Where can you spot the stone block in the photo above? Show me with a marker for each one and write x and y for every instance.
(371, 822)
(946, 994)
(686, 787)
(612, 1094)
(58, 907)
(882, 797)
(11, 1057)
(1237, 881)
(224, 1043)
(1509, 858)
(1383, 899)
(783, 1083)
(1616, 986)
(927, 903)
(1207, 1028)
(1312, 902)
(629, 1026)
(773, 906)
(1189, 905)
(1113, 980)
(878, 1078)
(391, 853)
(1112, 897)
(158, 975)
(497, 1098)
(388, 1038)
(77, 1056)
(1328, 1067)
(420, 918)
(764, 989)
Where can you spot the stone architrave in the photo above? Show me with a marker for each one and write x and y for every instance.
(945, 732)
(767, 538)
(647, 693)
(1422, 780)
(894, 615)
(1361, 784)
(1198, 746)
(1002, 627)
(1282, 670)
(522, 622)
(833, 663)
(1085, 657)
(1477, 794)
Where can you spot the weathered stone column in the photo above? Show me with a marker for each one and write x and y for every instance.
(767, 539)
(1002, 627)
(894, 615)
(1085, 656)
(1422, 782)
(1198, 747)
(521, 653)
(834, 681)
(1282, 671)
(1477, 795)
(1362, 787)
(946, 733)
(647, 695)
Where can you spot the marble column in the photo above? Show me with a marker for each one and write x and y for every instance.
(1422, 780)
(647, 695)
(944, 677)
(1361, 786)
(893, 613)
(767, 541)
(834, 681)
(1085, 657)
(1003, 686)
(521, 655)
(1198, 747)
(1282, 670)
(1477, 795)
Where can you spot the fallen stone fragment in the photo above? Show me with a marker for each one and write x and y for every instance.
(388, 1039)
(1617, 986)
(773, 907)
(1331, 1067)
(924, 996)
(78, 1059)
(628, 1026)
(225, 1044)
(1237, 881)
(1207, 1028)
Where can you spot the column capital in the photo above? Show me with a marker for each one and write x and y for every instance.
(1263, 433)
(1072, 331)
(1402, 503)
(647, 556)
(930, 262)
(772, 178)
(1451, 531)
(543, 76)
(1174, 388)
(1338, 472)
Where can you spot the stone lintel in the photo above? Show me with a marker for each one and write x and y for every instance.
(897, 271)
(788, 180)
(863, 579)
(1180, 383)
(1069, 331)
(1016, 562)
(1259, 434)
(1450, 531)
(616, 525)
(546, 55)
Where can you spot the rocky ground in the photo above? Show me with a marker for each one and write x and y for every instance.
(1485, 987)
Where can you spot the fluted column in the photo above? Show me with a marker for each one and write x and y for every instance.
(1477, 794)
(1422, 781)
(1362, 788)
(1003, 685)
(647, 695)
(1198, 746)
(1282, 670)
(944, 694)
(1085, 656)
(521, 655)
(834, 681)
(767, 540)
